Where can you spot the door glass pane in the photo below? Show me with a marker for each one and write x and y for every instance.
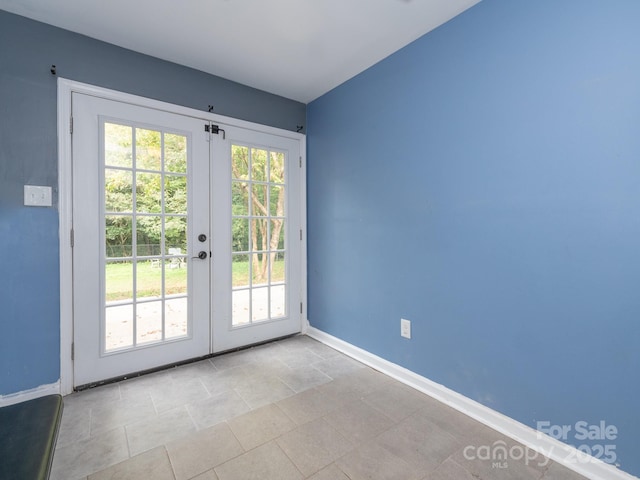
(118, 327)
(259, 304)
(240, 271)
(148, 235)
(175, 276)
(175, 153)
(118, 151)
(240, 198)
(240, 234)
(278, 274)
(148, 193)
(276, 167)
(146, 202)
(148, 149)
(259, 268)
(276, 200)
(239, 162)
(278, 301)
(259, 234)
(148, 280)
(259, 199)
(258, 228)
(276, 238)
(119, 281)
(175, 232)
(148, 322)
(119, 232)
(118, 191)
(175, 313)
(175, 194)
(241, 304)
(259, 165)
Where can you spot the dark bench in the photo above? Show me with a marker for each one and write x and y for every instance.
(28, 433)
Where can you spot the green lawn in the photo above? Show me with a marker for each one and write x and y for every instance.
(149, 279)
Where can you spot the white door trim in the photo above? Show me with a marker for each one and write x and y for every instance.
(226, 336)
(65, 89)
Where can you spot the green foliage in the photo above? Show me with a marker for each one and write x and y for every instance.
(157, 167)
(149, 189)
(258, 204)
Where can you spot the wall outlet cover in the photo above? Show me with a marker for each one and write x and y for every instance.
(405, 328)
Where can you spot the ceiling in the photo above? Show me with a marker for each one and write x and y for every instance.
(299, 49)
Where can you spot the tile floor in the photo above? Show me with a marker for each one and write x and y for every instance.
(291, 409)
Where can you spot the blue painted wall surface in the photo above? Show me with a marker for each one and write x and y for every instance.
(29, 278)
(484, 182)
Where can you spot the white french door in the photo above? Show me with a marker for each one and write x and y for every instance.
(183, 240)
(257, 274)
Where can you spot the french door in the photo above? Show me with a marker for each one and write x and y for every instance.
(257, 262)
(183, 239)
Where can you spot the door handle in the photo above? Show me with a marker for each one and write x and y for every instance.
(201, 255)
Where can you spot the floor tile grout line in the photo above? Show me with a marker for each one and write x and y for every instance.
(173, 469)
(207, 390)
(405, 461)
(338, 432)
(285, 414)
(275, 441)
(396, 422)
(90, 421)
(244, 450)
(126, 436)
(204, 387)
(322, 419)
(153, 401)
(243, 399)
(195, 424)
(312, 386)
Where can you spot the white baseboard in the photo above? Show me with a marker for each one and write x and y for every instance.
(25, 395)
(559, 452)
(305, 326)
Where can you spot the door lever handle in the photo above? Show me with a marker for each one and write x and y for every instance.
(201, 255)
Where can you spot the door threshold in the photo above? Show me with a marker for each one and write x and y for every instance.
(109, 381)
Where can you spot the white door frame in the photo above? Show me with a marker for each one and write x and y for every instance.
(227, 336)
(65, 89)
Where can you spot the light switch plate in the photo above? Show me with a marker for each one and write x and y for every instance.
(37, 196)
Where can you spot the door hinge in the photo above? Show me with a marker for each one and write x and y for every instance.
(215, 130)
(73, 351)
(301, 162)
(71, 125)
(300, 307)
(71, 238)
(300, 234)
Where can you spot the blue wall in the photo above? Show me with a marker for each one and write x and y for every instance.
(484, 182)
(29, 279)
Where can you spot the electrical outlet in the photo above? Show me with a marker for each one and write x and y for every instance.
(405, 328)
